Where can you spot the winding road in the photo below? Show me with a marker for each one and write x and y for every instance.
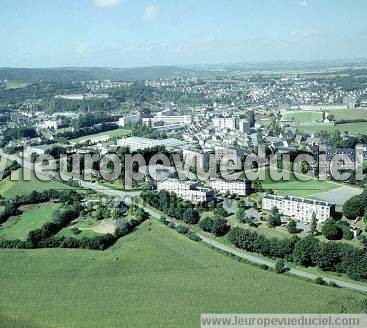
(127, 197)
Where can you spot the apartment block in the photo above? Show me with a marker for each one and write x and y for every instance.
(299, 208)
(196, 157)
(187, 190)
(242, 188)
(126, 120)
(225, 122)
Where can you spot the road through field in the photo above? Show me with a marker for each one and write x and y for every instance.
(244, 255)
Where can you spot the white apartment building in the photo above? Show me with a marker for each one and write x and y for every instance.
(48, 125)
(244, 126)
(225, 122)
(197, 158)
(299, 208)
(184, 119)
(123, 121)
(135, 143)
(187, 190)
(241, 188)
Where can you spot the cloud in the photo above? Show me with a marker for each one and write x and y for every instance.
(304, 35)
(151, 12)
(303, 3)
(82, 48)
(107, 3)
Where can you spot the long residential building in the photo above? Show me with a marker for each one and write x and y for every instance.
(187, 190)
(168, 119)
(196, 157)
(299, 208)
(242, 188)
(125, 120)
(135, 143)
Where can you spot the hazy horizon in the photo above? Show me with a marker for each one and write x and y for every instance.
(129, 34)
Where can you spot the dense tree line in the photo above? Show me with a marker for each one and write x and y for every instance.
(10, 168)
(81, 132)
(124, 227)
(35, 197)
(181, 229)
(172, 205)
(308, 251)
(10, 134)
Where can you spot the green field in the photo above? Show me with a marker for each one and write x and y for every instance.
(66, 232)
(349, 114)
(10, 189)
(350, 127)
(15, 85)
(112, 134)
(304, 116)
(153, 277)
(33, 217)
(295, 187)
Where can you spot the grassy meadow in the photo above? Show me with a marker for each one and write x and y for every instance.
(350, 127)
(304, 116)
(111, 134)
(10, 189)
(32, 218)
(295, 187)
(153, 277)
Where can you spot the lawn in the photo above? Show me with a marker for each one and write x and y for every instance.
(10, 189)
(350, 127)
(111, 134)
(304, 116)
(33, 217)
(66, 232)
(15, 85)
(153, 277)
(295, 187)
(351, 114)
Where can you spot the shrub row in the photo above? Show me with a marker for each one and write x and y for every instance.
(308, 251)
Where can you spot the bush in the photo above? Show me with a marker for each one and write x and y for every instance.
(333, 284)
(320, 281)
(182, 229)
(264, 266)
(193, 236)
(206, 224)
(279, 266)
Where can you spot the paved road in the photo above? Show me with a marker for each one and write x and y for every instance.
(258, 260)
(244, 255)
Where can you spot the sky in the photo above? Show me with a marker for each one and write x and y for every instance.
(130, 33)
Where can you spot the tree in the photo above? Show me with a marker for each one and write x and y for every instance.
(99, 214)
(292, 227)
(206, 224)
(313, 225)
(115, 213)
(353, 207)
(305, 251)
(190, 216)
(279, 266)
(331, 230)
(274, 218)
(220, 227)
(257, 186)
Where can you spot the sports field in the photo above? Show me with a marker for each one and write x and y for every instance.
(33, 217)
(304, 116)
(349, 127)
(153, 277)
(111, 134)
(10, 189)
(349, 114)
(15, 85)
(295, 187)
